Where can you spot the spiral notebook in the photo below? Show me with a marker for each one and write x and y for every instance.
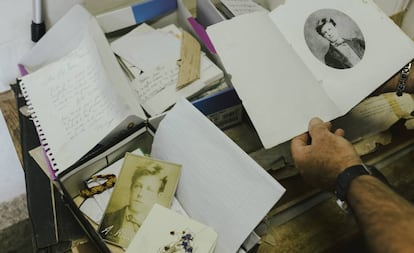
(78, 96)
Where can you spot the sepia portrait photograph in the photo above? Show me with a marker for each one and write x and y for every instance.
(334, 38)
(141, 183)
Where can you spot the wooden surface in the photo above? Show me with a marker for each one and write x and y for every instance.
(9, 110)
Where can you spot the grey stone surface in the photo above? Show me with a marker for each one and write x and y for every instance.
(17, 238)
(15, 226)
(13, 212)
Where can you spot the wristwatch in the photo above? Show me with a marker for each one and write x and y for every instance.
(344, 179)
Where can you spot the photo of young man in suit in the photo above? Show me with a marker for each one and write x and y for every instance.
(342, 53)
(148, 182)
(334, 38)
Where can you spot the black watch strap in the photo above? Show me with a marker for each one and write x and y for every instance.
(344, 179)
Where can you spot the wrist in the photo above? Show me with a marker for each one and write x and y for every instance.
(345, 165)
(351, 174)
(327, 177)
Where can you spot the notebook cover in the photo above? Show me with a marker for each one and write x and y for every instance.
(53, 225)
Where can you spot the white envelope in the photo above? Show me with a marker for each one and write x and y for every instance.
(164, 229)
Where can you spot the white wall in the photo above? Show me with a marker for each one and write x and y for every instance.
(408, 23)
(55, 9)
(391, 7)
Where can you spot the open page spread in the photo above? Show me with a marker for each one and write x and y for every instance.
(287, 67)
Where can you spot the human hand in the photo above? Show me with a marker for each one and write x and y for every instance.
(327, 155)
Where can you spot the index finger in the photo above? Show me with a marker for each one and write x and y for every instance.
(317, 127)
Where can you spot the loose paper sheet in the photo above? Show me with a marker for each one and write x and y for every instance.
(190, 60)
(220, 185)
(240, 7)
(374, 115)
(156, 86)
(159, 89)
(164, 228)
(149, 49)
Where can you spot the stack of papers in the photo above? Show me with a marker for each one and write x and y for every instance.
(150, 58)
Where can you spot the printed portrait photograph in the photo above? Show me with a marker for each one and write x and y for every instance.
(141, 183)
(334, 38)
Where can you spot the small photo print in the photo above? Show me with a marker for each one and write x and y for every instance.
(334, 38)
(141, 183)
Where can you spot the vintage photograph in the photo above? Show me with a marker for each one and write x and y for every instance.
(334, 38)
(141, 183)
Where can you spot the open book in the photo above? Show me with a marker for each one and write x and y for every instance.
(286, 71)
(77, 92)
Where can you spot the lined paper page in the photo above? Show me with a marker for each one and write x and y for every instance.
(220, 185)
(73, 104)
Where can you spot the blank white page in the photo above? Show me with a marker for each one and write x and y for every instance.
(220, 185)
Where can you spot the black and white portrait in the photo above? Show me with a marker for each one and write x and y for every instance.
(334, 38)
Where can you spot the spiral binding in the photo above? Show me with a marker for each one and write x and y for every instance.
(42, 137)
